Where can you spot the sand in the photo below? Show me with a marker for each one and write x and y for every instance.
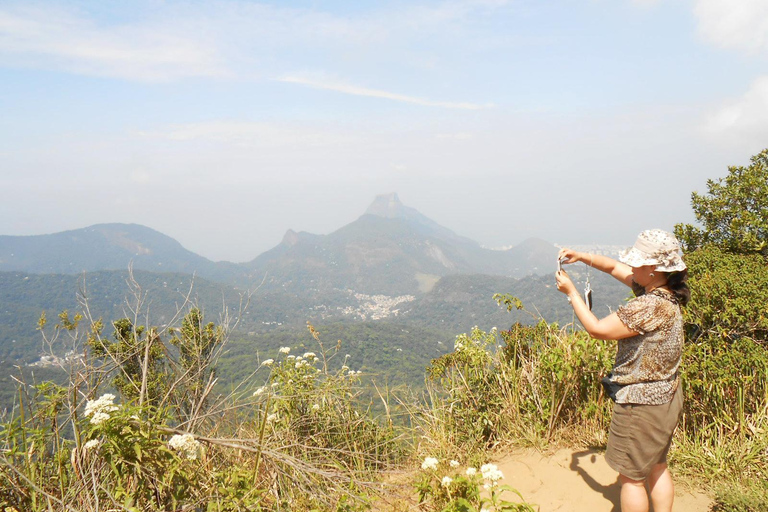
(577, 481)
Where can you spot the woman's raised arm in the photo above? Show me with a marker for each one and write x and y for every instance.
(610, 266)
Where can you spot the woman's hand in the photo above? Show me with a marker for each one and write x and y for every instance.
(564, 283)
(569, 255)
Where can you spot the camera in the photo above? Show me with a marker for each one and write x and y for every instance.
(560, 262)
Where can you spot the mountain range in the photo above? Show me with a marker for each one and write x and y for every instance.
(390, 249)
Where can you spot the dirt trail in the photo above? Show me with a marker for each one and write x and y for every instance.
(577, 481)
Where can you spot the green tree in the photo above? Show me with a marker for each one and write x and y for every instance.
(197, 343)
(725, 364)
(139, 356)
(734, 212)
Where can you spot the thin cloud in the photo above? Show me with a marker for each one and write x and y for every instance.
(745, 117)
(53, 38)
(741, 25)
(230, 39)
(377, 93)
(249, 134)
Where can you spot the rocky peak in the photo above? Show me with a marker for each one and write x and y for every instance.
(290, 238)
(387, 206)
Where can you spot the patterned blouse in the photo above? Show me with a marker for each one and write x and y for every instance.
(646, 364)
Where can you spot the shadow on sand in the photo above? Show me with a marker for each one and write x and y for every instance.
(612, 492)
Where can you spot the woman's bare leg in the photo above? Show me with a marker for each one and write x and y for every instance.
(634, 497)
(662, 488)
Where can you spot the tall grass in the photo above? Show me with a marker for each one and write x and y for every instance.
(530, 384)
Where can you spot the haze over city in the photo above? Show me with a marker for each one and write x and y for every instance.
(223, 124)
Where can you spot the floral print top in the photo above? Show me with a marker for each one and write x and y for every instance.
(646, 364)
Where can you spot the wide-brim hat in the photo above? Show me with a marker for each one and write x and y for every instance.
(655, 247)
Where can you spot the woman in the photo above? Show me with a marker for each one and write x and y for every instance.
(644, 382)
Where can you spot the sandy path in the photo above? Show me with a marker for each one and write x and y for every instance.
(577, 481)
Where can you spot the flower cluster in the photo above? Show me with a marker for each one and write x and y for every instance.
(491, 473)
(99, 409)
(458, 488)
(185, 443)
(285, 350)
(91, 445)
(429, 463)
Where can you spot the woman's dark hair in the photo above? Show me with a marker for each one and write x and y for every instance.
(678, 283)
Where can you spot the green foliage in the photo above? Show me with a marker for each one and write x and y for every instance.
(734, 212)
(139, 355)
(725, 364)
(197, 343)
(541, 381)
(508, 300)
(752, 497)
(724, 434)
(729, 295)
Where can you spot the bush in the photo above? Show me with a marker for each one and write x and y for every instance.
(541, 382)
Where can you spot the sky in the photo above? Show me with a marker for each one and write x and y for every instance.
(223, 124)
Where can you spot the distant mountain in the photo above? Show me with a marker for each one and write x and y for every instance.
(111, 247)
(391, 249)
(99, 247)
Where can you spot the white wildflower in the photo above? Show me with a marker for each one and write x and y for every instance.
(259, 391)
(267, 362)
(185, 443)
(315, 407)
(344, 368)
(491, 473)
(471, 471)
(271, 418)
(454, 463)
(285, 350)
(310, 355)
(92, 444)
(429, 463)
(99, 409)
(446, 481)
(291, 358)
(99, 417)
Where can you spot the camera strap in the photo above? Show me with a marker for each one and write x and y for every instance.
(587, 286)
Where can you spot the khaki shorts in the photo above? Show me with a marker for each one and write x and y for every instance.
(640, 436)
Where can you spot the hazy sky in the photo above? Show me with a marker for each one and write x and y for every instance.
(224, 123)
